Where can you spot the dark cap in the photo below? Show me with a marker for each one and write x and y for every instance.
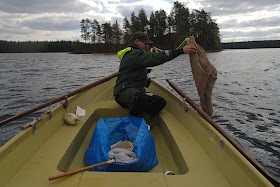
(142, 37)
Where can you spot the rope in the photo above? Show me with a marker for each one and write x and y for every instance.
(179, 47)
(183, 43)
(158, 75)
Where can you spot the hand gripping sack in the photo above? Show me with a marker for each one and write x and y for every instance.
(112, 130)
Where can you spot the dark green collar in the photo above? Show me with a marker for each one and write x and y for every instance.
(134, 46)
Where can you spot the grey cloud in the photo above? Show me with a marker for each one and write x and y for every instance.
(13, 30)
(272, 21)
(119, 20)
(40, 6)
(51, 23)
(221, 7)
(126, 9)
(229, 36)
(258, 23)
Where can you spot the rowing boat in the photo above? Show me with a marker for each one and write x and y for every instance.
(187, 142)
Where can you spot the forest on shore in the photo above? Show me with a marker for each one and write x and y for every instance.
(167, 31)
(69, 46)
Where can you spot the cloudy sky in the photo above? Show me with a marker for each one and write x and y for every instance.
(52, 20)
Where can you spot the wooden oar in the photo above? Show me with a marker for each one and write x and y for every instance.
(63, 97)
(81, 169)
(254, 162)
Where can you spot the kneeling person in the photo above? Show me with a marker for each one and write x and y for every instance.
(129, 91)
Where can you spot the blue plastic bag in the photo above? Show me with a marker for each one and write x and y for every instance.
(112, 130)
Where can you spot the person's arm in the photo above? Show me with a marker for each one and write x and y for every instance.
(139, 59)
(177, 52)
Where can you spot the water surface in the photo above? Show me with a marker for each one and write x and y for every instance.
(246, 96)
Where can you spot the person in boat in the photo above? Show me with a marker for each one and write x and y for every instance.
(129, 91)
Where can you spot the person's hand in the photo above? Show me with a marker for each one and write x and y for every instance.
(189, 48)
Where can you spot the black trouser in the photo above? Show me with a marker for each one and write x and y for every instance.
(146, 102)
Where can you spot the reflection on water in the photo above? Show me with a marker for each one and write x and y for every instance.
(246, 96)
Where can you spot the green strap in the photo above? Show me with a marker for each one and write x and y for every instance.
(179, 47)
(152, 51)
(183, 43)
(122, 52)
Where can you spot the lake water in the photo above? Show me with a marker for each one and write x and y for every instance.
(246, 96)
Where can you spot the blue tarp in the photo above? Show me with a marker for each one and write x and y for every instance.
(112, 130)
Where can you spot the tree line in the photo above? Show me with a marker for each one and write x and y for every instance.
(35, 46)
(50, 46)
(167, 31)
(81, 47)
(252, 44)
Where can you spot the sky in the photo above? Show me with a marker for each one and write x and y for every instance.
(56, 20)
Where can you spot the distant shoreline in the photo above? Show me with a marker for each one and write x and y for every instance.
(252, 44)
(100, 48)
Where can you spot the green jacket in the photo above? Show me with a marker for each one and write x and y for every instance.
(133, 67)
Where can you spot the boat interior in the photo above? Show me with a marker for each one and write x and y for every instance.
(185, 144)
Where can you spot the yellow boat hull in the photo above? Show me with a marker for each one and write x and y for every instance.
(185, 143)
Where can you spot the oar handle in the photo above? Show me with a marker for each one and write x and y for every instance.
(81, 169)
(63, 97)
(29, 124)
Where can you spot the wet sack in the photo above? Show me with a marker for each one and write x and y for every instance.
(205, 76)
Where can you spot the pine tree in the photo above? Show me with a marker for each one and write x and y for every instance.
(127, 31)
(94, 27)
(143, 21)
(161, 20)
(179, 18)
(117, 35)
(85, 29)
(152, 28)
(134, 23)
